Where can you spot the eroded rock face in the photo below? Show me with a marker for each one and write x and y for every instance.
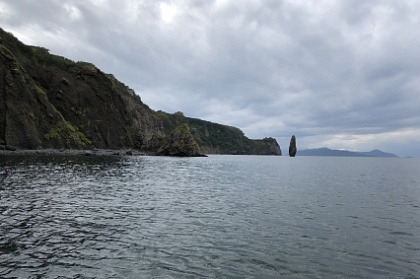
(268, 146)
(48, 101)
(180, 143)
(292, 147)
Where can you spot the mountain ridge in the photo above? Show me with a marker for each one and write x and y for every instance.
(324, 151)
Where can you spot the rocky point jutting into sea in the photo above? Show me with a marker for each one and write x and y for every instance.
(50, 102)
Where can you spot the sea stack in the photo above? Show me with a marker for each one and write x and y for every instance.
(292, 147)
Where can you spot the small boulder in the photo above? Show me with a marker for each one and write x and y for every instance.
(8, 148)
(65, 81)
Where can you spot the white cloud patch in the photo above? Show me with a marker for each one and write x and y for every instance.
(73, 12)
(168, 12)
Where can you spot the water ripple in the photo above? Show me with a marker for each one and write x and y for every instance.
(216, 217)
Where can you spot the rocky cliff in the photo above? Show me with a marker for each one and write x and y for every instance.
(48, 101)
(214, 138)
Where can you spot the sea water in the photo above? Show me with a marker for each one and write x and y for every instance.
(215, 217)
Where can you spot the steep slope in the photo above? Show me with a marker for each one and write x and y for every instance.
(27, 118)
(48, 101)
(215, 138)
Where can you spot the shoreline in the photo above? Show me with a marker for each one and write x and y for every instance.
(82, 152)
(76, 152)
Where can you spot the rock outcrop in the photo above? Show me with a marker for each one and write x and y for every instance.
(180, 142)
(292, 147)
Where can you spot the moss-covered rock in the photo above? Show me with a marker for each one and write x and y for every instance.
(179, 143)
(66, 135)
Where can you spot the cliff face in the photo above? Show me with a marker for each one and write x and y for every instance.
(28, 119)
(214, 138)
(48, 101)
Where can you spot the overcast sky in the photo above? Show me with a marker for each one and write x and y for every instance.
(342, 74)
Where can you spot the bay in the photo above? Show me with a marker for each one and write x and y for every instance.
(215, 217)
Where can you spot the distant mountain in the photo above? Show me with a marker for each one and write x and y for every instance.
(379, 153)
(344, 153)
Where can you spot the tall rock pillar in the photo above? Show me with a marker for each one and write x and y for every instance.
(292, 147)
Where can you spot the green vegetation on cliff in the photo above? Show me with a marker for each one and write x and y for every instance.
(49, 101)
(216, 138)
(65, 131)
(180, 142)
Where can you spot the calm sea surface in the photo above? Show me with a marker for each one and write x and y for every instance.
(216, 217)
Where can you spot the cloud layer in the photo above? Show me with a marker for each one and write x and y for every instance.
(340, 74)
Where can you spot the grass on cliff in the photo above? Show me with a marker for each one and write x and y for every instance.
(6, 53)
(11, 41)
(39, 90)
(182, 129)
(65, 130)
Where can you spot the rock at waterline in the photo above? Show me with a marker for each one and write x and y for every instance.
(7, 147)
(292, 147)
(180, 143)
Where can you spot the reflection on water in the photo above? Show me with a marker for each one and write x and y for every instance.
(216, 217)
